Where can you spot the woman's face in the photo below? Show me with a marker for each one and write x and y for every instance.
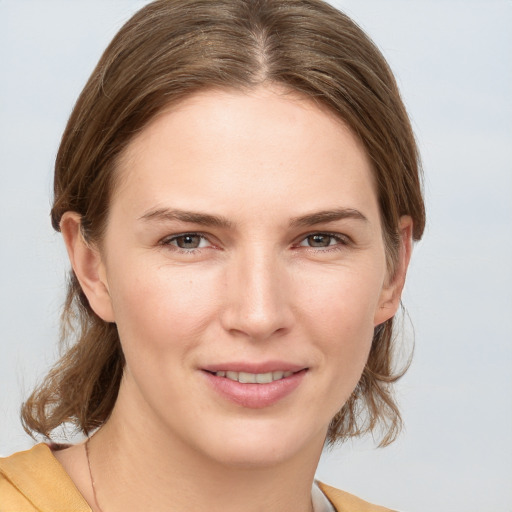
(246, 271)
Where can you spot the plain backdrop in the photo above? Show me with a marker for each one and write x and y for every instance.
(453, 61)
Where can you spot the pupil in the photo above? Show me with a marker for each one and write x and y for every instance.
(319, 241)
(188, 242)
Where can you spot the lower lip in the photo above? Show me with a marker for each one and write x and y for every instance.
(255, 396)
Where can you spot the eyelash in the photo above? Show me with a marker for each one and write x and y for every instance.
(167, 242)
(341, 242)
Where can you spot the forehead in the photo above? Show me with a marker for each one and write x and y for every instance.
(219, 147)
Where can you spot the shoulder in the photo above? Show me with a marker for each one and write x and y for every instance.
(33, 480)
(345, 502)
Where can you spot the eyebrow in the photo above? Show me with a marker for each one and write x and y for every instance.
(204, 219)
(327, 216)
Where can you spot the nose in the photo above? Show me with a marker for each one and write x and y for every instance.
(257, 301)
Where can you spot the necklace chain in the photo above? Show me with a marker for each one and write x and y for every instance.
(90, 474)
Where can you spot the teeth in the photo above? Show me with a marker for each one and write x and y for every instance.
(254, 378)
(247, 378)
(264, 378)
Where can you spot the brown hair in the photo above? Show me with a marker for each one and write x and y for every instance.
(167, 51)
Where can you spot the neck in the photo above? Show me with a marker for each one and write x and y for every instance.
(138, 466)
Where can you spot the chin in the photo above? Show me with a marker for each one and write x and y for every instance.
(251, 448)
(253, 457)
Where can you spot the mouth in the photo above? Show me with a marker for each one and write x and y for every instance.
(253, 378)
(256, 389)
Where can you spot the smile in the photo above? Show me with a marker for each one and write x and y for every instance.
(254, 378)
(256, 389)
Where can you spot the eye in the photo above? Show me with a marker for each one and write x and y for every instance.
(187, 241)
(321, 240)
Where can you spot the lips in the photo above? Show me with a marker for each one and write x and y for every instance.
(255, 386)
(253, 367)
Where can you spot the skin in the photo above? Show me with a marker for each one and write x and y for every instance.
(272, 281)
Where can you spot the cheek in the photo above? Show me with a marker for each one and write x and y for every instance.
(345, 299)
(338, 313)
(159, 305)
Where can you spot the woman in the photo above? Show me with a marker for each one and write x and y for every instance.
(238, 190)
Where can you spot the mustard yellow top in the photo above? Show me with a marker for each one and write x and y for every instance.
(34, 481)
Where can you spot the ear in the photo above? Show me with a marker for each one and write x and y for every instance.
(392, 291)
(88, 266)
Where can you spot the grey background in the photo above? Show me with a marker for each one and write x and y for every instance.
(453, 61)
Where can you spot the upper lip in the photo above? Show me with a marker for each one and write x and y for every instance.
(253, 367)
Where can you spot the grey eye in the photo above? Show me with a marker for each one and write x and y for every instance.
(319, 240)
(190, 241)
